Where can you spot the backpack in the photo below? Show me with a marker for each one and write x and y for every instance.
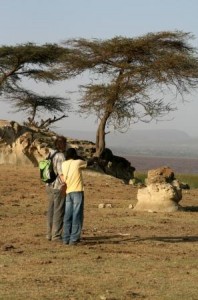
(47, 173)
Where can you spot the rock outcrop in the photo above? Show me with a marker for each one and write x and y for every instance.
(116, 166)
(162, 192)
(22, 145)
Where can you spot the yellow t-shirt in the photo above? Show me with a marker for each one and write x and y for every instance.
(73, 175)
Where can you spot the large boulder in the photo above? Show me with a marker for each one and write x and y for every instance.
(116, 166)
(162, 192)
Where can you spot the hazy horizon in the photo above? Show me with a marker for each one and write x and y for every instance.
(159, 143)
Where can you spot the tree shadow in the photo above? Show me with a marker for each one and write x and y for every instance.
(118, 239)
(172, 239)
(190, 208)
(101, 239)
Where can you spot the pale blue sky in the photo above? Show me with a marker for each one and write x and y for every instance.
(42, 21)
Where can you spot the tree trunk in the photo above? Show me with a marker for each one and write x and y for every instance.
(100, 135)
(33, 114)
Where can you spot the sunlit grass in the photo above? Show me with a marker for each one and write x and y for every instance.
(190, 179)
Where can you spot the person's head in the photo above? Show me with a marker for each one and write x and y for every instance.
(71, 154)
(60, 143)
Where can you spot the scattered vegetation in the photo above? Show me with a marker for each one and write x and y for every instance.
(190, 179)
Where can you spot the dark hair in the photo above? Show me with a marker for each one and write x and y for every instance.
(71, 154)
(60, 143)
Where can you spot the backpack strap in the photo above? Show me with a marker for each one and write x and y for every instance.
(52, 156)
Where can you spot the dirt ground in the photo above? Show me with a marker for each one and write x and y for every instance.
(124, 254)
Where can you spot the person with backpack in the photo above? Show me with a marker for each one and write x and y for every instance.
(55, 192)
(74, 203)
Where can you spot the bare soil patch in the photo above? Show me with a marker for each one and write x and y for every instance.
(123, 255)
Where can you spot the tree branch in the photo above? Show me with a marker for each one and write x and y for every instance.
(46, 123)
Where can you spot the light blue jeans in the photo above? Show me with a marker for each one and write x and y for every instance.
(73, 218)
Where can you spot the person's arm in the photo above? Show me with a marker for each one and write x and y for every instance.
(91, 161)
(62, 178)
(85, 163)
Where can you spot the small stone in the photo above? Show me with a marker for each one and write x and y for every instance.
(7, 247)
(101, 205)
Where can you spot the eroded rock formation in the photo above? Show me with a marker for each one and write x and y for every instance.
(162, 192)
(116, 166)
(24, 145)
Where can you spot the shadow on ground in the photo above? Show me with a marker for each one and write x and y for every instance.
(117, 239)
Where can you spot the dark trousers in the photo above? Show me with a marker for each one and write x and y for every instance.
(55, 213)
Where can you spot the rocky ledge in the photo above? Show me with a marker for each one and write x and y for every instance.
(23, 145)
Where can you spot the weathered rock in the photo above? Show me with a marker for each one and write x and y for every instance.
(101, 205)
(131, 206)
(162, 174)
(162, 193)
(116, 166)
(24, 145)
(108, 205)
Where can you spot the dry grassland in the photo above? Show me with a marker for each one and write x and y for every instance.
(123, 255)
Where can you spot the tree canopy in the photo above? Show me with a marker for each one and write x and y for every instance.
(39, 63)
(124, 75)
(126, 70)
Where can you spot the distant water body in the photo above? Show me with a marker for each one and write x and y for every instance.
(179, 165)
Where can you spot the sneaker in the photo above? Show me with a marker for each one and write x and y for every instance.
(65, 243)
(74, 243)
(57, 240)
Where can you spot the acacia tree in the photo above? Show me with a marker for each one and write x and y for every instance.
(125, 72)
(33, 105)
(39, 63)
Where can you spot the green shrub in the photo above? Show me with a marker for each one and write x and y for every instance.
(141, 176)
(190, 179)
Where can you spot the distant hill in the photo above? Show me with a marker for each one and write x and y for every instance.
(170, 143)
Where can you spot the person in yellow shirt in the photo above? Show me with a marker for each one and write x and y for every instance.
(74, 204)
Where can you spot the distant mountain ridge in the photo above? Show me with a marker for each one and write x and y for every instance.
(170, 143)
